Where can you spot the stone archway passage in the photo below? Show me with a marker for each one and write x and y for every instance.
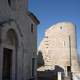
(7, 64)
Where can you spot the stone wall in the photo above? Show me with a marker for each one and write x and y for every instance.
(58, 47)
(14, 15)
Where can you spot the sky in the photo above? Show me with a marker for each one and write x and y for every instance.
(50, 12)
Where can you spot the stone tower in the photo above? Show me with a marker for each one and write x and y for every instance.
(59, 48)
(18, 45)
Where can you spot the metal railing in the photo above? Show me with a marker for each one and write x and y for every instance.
(70, 76)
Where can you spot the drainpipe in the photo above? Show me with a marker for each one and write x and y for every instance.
(70, 73)
(70, 50)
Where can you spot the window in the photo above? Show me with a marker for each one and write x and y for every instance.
(12, 4)
(60, 27)
(46, 47)
(32, 28)
(69, 70)
(46, 36)
(9, 2)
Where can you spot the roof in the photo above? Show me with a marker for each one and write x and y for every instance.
(33, 17)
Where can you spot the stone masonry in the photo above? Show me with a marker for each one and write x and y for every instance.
(59, 48)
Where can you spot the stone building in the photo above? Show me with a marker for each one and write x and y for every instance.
(18, 45)
(59, 49)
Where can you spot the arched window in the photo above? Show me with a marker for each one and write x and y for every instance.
(12, 4)
(9, 2)
(11, 38)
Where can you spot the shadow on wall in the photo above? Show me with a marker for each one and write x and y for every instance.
(47, 74)
(40, 60)
(50, 74)
(79, 59)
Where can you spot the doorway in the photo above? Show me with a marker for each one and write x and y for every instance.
(69, 70)
(7, 64)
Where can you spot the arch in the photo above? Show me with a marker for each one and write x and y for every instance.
(11, 38)
(10, 55)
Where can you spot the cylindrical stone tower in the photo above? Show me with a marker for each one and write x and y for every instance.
(59, 47)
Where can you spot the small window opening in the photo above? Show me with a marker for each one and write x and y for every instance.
(68, 68)
(32, 28)
(9, 2)
(46, 47)
(61, 27)
(69, 71)
(46, 36)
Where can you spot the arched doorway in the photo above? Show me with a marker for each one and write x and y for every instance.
(9, 52)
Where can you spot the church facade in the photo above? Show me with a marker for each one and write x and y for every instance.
(59, 49)
(18, 40)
